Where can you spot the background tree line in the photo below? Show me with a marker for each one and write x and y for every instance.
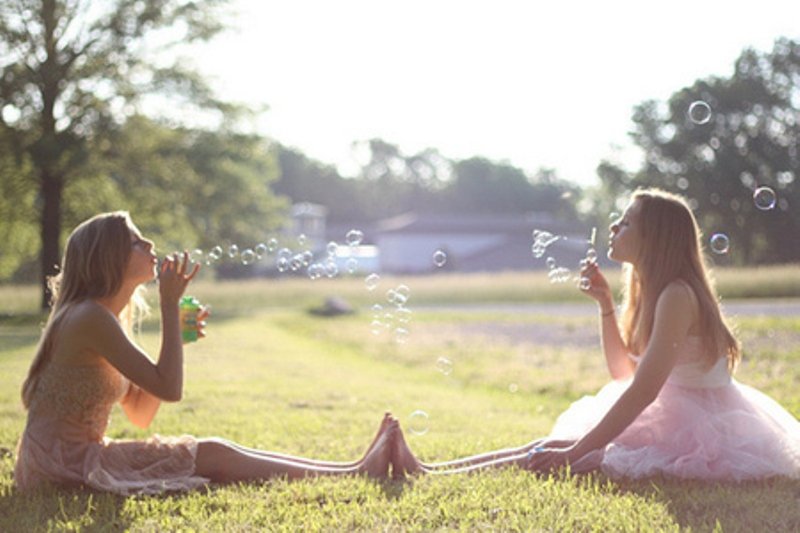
(75, 139)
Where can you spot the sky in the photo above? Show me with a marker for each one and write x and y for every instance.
(536, 84)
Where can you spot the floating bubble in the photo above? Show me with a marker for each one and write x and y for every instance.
(248, 256)
(439, 258)
(376, 327)
(296, 262)
(403, 315)
(233, 251)
(351, 265)
(613, 216)
(444, 365)
(282, 264)
(331, 270)
(391, 296)
(764, 198)
(401, 335)
(301, 239)
(315, 271)
(196, 255)
(585, 284)
(272, 245)
(404, 291)
(372, 281)
(331, 248)
(377, 309)
(307, 256)
(261, 249)
(513, 387)
(591, 254)
(354, 237)
(215, 253)
(720, 243)
(550, 262)
(285, 253)
(699, 112)
(559, 275)
(418, 422)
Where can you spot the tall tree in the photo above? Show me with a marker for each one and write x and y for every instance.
(746, 138)
(70, 69)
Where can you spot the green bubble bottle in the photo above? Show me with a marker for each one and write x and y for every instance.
(189, 307)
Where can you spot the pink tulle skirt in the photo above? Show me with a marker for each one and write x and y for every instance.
(732, 432)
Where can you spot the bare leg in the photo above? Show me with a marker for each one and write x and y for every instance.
(404, 462)
(387, 419)
(221, 462)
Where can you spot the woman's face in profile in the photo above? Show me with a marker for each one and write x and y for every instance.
(624, 235)
(143, 262)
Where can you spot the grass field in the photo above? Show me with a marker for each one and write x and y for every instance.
(271, 375)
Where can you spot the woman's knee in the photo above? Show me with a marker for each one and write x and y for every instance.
(213, 455)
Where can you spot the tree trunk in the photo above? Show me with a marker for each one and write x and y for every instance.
(51, 188)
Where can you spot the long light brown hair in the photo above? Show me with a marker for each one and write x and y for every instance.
(93, 266)
(671, 249)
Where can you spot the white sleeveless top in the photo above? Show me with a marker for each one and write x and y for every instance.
(692, 371)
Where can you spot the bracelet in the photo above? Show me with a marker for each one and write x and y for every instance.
(608, 313)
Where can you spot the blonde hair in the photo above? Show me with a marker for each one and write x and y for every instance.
(93, 267)
(671, 249)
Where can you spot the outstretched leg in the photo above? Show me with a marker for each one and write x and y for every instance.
(404, 462)
(223, 462)
(384, 426)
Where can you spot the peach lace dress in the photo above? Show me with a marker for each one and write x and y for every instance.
(702, 425)
(64, 441)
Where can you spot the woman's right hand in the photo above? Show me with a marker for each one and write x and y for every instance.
(173, 278)
(598, 287)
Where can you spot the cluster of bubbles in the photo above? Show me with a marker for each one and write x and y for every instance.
(393, 315)
(764, 198)
(560, 274)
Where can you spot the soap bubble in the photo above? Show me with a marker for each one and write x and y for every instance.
(591, 254)
(403, 315)
(307, 256)
(439, 258)
(377, 309)
(301, 239)
(551, 263)
(282, 264)
(331, 248)
(196, 255)
(404, 291)
(296, 262)
(272, 245)
(285, 253)
(444, 365)
(376, 327)
(261, 249)
(215, 253)
(352, 265)
(331, 270)
(372, 281)
(585, 284)
(699, 112)
(401, 335)
(315, 271)
(719, 243)
(513, 387)
(248, 256)
(354, 237)
(233, 251)
(418, 422)
(764, 198)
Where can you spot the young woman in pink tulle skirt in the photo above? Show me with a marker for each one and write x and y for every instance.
(86, 362)
(672, 408)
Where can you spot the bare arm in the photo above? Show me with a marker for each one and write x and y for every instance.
(674, 314)
(619, 364)
(103, 335)
(140, 406)
(673, 317)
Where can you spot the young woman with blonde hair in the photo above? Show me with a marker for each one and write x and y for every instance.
(672, 408)
(86, 362)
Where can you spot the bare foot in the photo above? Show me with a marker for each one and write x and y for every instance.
(387, 418)
(376, 463)
(403, 460)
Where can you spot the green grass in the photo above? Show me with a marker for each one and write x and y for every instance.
(278, 378)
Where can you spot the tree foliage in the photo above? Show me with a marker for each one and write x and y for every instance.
(750, 141)
(70, 70)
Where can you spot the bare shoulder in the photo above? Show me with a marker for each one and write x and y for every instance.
(678, 297)
(88, 313)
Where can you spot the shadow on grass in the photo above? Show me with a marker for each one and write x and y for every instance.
(765, 505)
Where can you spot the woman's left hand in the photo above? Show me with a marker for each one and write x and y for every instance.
(549, 459)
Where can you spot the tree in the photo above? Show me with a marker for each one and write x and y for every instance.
(71, 69)
(749, 140)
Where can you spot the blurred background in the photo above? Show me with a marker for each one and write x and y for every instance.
(457, 127)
